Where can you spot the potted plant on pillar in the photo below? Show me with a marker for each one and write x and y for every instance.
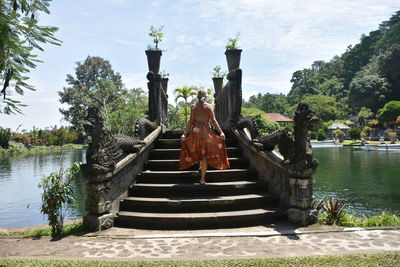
(154, 53)
(233, 53)
(218, 78)
(164, 81)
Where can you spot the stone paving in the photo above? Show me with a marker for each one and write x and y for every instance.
(113, 245)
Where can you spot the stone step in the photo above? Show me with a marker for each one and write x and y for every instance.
(167, 177)
(207, 203)
(173, 153)
(194, 189)
(199, 220)
(176, 143)
(173, 164)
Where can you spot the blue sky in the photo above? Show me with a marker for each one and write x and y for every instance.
(277, 38)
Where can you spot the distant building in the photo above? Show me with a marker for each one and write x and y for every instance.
(343, 127)
(279, 118)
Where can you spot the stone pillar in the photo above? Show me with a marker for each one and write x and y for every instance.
(98, 205)
(301, 201)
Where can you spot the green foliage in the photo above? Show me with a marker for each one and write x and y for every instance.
(97, 84)
(385, 219)
(363, 115)
(312, 135)
(218, 73)
(156, 34)
(185, 93)
(69, 229)
(264, 126)
(20, 36)
(270, 103)
(325, 107)
(355, 260)
(5, 135)
(321, 135)
(366, 75)
(368, 91)
(339, 134)
(331, 211)
(164, 74)
(232, 43)
(389, 112)
(57, 192)
(355, 133)
(46, 137)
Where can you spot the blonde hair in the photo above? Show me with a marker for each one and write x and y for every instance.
(202, 95)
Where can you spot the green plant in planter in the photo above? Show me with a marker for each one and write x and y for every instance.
(157, 36)
(217, 73)
(339, 134)
(232, 43)
(57, 193)
(164, 74)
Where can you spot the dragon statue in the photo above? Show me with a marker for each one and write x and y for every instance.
(295, 148)
(105, 150)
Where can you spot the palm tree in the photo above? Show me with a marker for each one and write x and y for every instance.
(185, 92)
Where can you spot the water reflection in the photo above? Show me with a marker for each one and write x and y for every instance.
(19, 177)
(366, 180)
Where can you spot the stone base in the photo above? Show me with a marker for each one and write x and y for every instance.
(92, 222)
(301, 217)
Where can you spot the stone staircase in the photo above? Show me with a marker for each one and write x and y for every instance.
(163, 197)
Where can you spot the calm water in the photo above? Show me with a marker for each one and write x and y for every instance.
(19, 177)
(368, 181)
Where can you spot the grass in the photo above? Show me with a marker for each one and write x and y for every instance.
(376, 259)
(19, 149)
(69, 229)
(349, 220)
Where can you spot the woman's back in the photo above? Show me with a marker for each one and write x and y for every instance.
(201, 112)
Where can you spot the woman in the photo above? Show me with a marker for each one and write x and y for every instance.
(202, 145)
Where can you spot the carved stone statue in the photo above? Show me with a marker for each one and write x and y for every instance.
(144, 127)
(296, 148)
(105, 150)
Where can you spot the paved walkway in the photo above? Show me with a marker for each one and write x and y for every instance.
(256, 242)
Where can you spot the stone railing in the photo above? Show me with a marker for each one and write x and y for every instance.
(287, 172)
(228, 102)
(105, 190)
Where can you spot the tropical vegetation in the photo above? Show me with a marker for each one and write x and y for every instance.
(20, 36)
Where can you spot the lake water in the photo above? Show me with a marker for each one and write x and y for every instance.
(19, 179)
(368, 181)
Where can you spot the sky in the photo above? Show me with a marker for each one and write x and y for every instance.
(277, 38)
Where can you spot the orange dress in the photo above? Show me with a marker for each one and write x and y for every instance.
(202, 143)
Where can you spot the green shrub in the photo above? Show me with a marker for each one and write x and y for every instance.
(321, 135)
(5, 135)
(57, 192)
(313, 135)
(355, 133)
(339, 134)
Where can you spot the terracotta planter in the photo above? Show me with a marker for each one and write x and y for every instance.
(233, 58)
(164, 84)
(153, 60)
(217, 84)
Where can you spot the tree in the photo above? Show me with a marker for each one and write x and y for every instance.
(95, 83)
(20, 34)
(321, 135)
(325, 107)
(370, 91)
(363, 115)
(389, 66)
(355, 133)
(389, 112)
(185, 92)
